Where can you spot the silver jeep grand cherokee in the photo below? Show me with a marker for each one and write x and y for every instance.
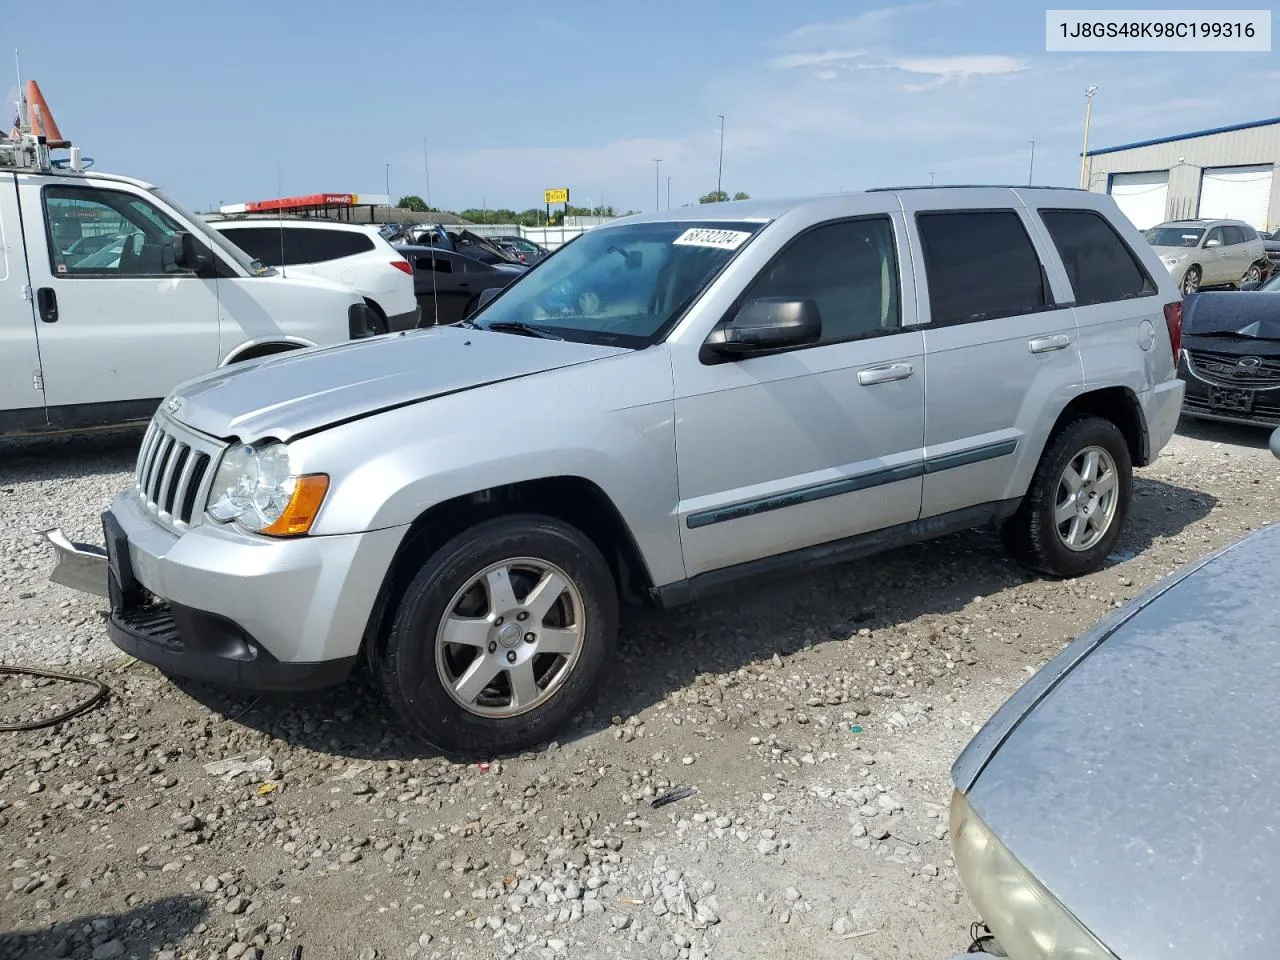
(667, 405)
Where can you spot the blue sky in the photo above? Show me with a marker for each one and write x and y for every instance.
(207, 99)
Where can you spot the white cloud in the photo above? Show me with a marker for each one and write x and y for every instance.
(864, 28)
(827, 75)
(976, 65)
(790, 61)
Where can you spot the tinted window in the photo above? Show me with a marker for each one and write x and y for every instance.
(1248, 232)
(849, 269)
(1100, 265)
(262, 243)
(980, 265)
(107, 233)
(438, 264)
(283, 247)
(1232, 235)
(317, 246)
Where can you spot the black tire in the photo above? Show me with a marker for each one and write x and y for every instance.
(380, 323)
(1032, 535)
(1254, 273)
(1191, 280)
(405, 663)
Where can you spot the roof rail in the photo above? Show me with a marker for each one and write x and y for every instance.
(969, 186)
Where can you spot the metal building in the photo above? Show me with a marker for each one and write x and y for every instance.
(1222, 172)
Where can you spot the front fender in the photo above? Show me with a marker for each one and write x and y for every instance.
(610, 422)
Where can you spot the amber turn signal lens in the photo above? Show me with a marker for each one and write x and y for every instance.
(308, 494)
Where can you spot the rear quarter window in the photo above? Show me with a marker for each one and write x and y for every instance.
(980, 265)
(1102, 268)
(317, 246)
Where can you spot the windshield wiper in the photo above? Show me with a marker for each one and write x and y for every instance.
(519, 326)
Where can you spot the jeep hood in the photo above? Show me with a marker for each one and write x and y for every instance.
(297, 393)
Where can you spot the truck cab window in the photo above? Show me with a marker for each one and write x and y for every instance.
(107, 233)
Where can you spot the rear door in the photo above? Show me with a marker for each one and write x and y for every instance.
(119, 325)
(21, 394)
(442, 285)
(1238, 258)
(1000, 344)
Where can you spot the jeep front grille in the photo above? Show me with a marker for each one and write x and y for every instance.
(175, 468)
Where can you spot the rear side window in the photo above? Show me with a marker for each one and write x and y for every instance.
(980, 265)
(317, 246)
(1100, 265)
(1249, 233)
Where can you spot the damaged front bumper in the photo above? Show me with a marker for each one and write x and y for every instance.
(80, 566)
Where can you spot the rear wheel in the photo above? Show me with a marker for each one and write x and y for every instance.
(1254, 274)
(501, 636)
(1074, 510)
(1191, 280)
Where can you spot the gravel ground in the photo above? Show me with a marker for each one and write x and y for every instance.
(815, 719)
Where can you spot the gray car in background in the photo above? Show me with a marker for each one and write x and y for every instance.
(1122, 804)
(669, 405)
(1205, 253)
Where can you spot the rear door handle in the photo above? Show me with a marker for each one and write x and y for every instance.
(47, 304)
(894, 371)
(1048, 344)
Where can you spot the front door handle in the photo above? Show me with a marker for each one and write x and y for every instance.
(894, 371)
(47, 304)
(1048, 344)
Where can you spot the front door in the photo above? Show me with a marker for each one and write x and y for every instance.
(442, 286)
(787, 451)
(1215, 258)
(119, 324)
(21, 394)
(999, 351)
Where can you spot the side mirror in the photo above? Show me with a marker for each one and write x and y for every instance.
(1209, 244)
(189, 253)
(767, 324)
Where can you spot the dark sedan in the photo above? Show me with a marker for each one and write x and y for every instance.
(521, 247)
(1121, 804)
(448, 285)
(1230, 358)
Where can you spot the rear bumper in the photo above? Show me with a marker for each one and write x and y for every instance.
(1160, 409)
(405, 321)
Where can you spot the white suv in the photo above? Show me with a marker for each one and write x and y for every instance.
(348, 253)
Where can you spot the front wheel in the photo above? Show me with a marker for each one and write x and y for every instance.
(501, 636)
(1072, 515)
(1191, 280)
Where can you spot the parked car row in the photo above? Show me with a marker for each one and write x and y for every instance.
(1202, 253)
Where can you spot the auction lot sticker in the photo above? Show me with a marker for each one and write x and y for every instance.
(1185, 31)
(707, 237)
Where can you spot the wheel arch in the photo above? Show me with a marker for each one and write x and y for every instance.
(264, 347)
(572, 499)
(1121, 406)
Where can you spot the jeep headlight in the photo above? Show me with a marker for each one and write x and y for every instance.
(1027, 920)
(256, 487)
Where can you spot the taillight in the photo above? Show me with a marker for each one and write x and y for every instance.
(403, 266)
(1173, 320)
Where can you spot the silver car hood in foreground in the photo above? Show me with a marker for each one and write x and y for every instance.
(1141, 788)
(297, 393)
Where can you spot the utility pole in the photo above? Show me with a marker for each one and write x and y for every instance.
(720, 167)
(388, 191)
(657, 183)
(668, 193)
(426, 167)
(931, 178)
(1084, 154)
(1032, 171)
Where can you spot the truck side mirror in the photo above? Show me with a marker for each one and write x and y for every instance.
(189, 253)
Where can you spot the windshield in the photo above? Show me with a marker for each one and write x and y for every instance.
(255, 268)
(1174, 236)
(620, 285)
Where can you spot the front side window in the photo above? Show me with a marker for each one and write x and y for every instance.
(849, 269)
(1174, 236)
(980, 265)
(107, 233)
(624, 285)
(1100, 265)
(1215, 238)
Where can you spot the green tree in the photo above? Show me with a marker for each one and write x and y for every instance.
(413, 202)
(741, 196)
(719, 196)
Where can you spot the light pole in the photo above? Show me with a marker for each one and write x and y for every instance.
(720, 166)
(668, 193)
(657, 183)
(388, 191)
(1031, 172)
(931, 178)
(1084, 155)
(426, 167)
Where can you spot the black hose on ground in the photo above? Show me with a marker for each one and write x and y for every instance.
(99, 694)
